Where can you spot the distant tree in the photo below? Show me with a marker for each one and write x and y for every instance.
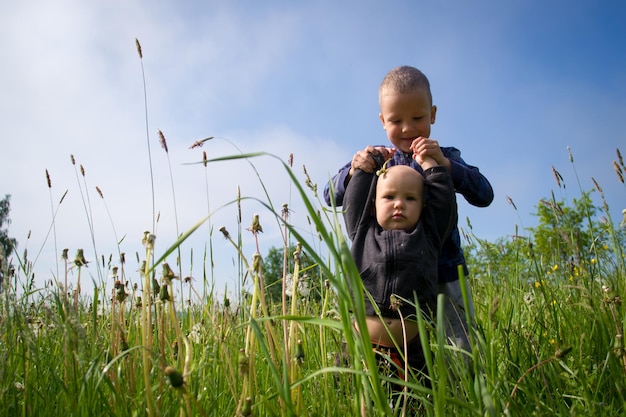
(273, 272)
(7, 244)
(569, 231)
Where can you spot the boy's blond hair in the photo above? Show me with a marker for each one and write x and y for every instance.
(404, 79)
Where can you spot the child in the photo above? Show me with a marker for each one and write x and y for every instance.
(407, 112)
(396, 239)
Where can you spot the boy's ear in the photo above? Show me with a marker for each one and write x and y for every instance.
(382, 119)
(433, 115)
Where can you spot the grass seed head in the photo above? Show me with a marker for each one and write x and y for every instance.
(138, 45)
(162, 141)
(619, 172)
(48, 179)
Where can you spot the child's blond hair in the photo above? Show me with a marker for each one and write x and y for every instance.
(404, 79)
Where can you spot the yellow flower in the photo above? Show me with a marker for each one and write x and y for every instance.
(593, 261)
(552, 341)
(553, 302)
(537, 284)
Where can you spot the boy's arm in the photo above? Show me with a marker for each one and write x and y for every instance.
(338, 183)
(467, 179)
(367, 159)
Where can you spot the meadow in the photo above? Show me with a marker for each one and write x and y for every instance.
(547, 337)
(547, 340)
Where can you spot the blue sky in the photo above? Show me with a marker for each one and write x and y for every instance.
(516, 83)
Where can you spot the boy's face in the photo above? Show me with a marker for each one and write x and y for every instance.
(399, 198)
(406, 116)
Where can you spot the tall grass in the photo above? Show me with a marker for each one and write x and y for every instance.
(547, 340)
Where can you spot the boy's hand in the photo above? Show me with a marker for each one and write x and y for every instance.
(428, 148)
(364, 161)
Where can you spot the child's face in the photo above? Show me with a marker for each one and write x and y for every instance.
(399, 198)
(406, 116)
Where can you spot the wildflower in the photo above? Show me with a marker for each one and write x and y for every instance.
(246, 410)
(79, 259)
(164, 294)
(148, 240)
(175, 377)
(299, 356)
(395, 302)
(560, 353)
(529, 298)
(243, 362)
(593, 261)
(285, 211)
(168, 275)
(195, 335)
(255, 227)
(257, 261)
(120, 293)
(555, 267)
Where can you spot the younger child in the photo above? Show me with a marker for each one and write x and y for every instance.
(396, 240)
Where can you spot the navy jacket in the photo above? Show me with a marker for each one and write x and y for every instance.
(467, 180)
(398, 262)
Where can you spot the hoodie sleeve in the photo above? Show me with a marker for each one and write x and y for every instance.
(440, 211)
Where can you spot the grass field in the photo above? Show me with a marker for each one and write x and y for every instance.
(548, 335)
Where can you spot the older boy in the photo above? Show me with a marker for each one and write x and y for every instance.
(406, 113)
